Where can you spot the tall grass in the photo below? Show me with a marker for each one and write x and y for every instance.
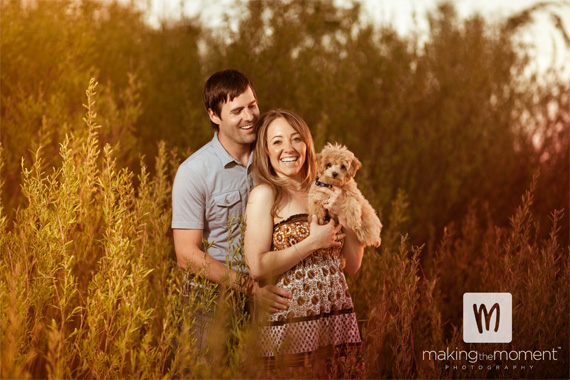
(420, 305)
(85, 268)
(89, 286)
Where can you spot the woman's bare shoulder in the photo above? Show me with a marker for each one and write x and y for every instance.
(259, 205)
(262, 193)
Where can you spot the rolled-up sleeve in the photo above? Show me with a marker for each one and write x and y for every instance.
(188, 200)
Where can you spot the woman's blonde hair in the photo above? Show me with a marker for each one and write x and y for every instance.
(264, 172)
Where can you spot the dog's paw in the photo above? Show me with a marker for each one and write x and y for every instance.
(367, 239)
(376, 243)
(322, 215)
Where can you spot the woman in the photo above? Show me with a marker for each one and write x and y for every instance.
(306, 259)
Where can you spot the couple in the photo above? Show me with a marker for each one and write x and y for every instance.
(296, 265)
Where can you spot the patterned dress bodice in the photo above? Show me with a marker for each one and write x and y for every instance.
(295, 229)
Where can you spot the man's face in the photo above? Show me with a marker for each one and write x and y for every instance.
(237, 118)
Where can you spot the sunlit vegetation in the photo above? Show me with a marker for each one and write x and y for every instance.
(465, 153)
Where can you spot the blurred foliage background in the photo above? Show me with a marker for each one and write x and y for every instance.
(455, 122)
(453, 128)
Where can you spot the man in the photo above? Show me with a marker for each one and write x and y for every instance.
(212, 187)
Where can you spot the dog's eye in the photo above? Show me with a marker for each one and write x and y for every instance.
(329, 165)
(343, 167)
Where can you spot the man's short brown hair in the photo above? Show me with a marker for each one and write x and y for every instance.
(223, 87)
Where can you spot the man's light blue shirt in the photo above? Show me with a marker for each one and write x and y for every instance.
(210, 189)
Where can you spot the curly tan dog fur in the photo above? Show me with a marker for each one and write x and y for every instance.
(336, 166)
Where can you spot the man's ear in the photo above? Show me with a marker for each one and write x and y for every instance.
(213, 117)
(354, 166)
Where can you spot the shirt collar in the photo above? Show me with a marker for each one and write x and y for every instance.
(223, 154)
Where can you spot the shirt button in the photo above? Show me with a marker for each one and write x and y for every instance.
(227, 201)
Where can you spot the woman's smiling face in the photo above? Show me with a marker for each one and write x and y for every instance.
(287, 150)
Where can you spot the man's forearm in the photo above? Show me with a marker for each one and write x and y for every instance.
(215, 271)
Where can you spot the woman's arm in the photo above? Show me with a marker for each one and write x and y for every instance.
(353, 250)
(263, 262)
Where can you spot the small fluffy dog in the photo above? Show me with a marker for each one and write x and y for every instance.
(336, 166)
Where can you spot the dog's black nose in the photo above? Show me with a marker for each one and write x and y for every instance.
(334, 174)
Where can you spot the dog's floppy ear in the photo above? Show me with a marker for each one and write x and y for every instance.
(318, 158)
(354, 166)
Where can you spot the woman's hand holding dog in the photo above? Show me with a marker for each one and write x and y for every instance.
(326, 235)
(353, 250)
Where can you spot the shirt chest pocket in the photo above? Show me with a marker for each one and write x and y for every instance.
(226, 204)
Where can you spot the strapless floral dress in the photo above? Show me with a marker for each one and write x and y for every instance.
(321, 315)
